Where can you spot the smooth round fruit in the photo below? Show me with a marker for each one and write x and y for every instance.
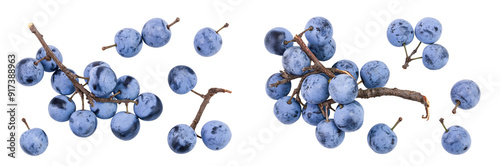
(428, 30)
(275, 38)
(34, 142)
(312, 114)
(382, 139)
(182, 79)
(125, 126)
(83, 123)
(61, 108)
(435, 56)
(467, 92)
(181, 138)
(128, 42)
(49, 66)
(61, 83)
(343, 89)
(86, 72)
(155, 33)
(149, 107)
(314, 89)
(207, 42)
(278, 91)
(349, 117)
(294, 60)
(374, 74)
(104, 110)
(102, 81)
(322, 31)
(128, 87)
(215, 135)
(27, 73)
(328, 134)
(287, 113)
(456, 141)
(324, 51)
(400, 32)
(348, 66)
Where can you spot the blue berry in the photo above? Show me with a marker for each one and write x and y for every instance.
(34, 142)
(104, 110)
(322, 31)
(278, 91)
(400, 32)
(128, 42)
(215, 135)
(275, 38)
(287, 113)
(314, 89)
(155, 33)
(49, 66)
(149, 107)
(83, 123)
(294, 60)
(428, 30)
(61, 83)
(467, 92)
(89, 67)
(343, 89)
(61, 108)
(128, 87)
(328, 134)
(456, 140)
(207, 42)
(182, 79)
(348, 66)
(125, 126)
(382, 139)
(349, 117)
(102, 81)
(374, 74)
(27, 73)
(324, 51)
(435, 56)
(181, 139)
(312, 114)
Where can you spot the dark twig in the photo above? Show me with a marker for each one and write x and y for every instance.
(311, 56)
(206, 100)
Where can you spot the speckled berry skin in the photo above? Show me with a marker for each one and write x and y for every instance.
(428, 30)
(49, 66)
(83, 123)
(128, 87)
(181, 139)
(328, 134)
(61, 108)
(400, 32)
(435, 56)
(182, 79)
(467, 92)
(102, 81)
(104, 110)
(349, 117)
(343, 89)
(125, 126)
(382, 139)
(456, 141)
(215, 135)
(287, 113)
(34, 142)
(278, 91)
(374, 74)
(128, 42)
(27, 73)
(312, 114)
(314, 89)
(207, 42)
(294, 60)
(61, 83)
(322, 31)
(348, 66)
(325, 51)
(155, 32)
(86, 72)
(149, 107)
(275, 38)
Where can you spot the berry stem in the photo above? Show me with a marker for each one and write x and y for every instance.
(110, 46)
(44, 58)
(199, 94)
(442, 122)
(71, 97)
(175, 21)
(206, 99)
(324, 112)
(225, 26)
(399, 120)
(82, 77)
(457, 103)
(26, 123)
(117, 93)
(126, 108)
(408, 58)
(404, 45)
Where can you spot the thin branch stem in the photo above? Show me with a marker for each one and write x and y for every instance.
(406, 51)
(225, 26)
(117, 93)
(199, 94)
(399, 120)
(408, 58)
(442, 123)
(26, 123)
(206, 99)
(311, 56)
(82, 77)
(175, 21)
(454, 111)
(110, 46)
(44, 58)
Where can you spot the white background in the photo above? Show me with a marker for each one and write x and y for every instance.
(80, 28)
